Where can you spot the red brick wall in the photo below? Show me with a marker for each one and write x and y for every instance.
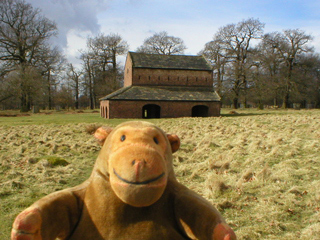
(166, 77)
(128, 72)
(133, 109)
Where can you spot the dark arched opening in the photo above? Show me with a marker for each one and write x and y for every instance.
(101, 111)
(200, 111)
(151, 111)
(106, 112)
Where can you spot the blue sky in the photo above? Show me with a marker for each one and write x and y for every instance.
(195, 21)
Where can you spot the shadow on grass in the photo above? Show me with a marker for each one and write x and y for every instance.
(244, 114)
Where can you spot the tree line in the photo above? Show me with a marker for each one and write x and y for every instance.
(33, 73)
(253, 68)
(250, 68)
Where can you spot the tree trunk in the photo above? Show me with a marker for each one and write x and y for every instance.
(260, 105)
(285, 103)
(275, 102)
(114, 71)
(235, 102)
(49, 92)
(24, 99)
(91, 98)
(245, 88)
(245, 101)
(25, 103)
(219, 82)
(288, 84)
(91, 92)
(236, 90)
(76, 103)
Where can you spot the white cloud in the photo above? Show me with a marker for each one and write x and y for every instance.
(80, 15)
(76, 42)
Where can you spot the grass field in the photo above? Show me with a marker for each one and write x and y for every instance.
(261, 169)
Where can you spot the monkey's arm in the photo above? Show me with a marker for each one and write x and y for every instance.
(199, 219)
(51, 217)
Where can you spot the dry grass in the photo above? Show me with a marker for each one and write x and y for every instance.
(262, 171)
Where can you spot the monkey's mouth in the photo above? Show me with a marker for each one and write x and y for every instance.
(138, 183)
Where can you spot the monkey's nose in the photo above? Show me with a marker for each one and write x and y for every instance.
(139, 162)
(138, 165)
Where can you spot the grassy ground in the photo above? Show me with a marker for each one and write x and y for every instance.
(261, 169)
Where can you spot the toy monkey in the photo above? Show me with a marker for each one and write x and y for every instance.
(132, 194)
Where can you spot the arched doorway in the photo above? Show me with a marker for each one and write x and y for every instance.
(101, 111)
(106, 112)
(151, 111)
(200, 111)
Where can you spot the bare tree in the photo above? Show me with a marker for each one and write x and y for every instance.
(74, 77)
(306, 74)
(31, 80)
(100, 68)
(64, 96)
(116, 46)
(105, 50)
(215, 54)
(235, 41)
(51, 63)
(23, 33)
(89, 67)
(7, 89)
(290, 44)
(162, 43)
(270, 66)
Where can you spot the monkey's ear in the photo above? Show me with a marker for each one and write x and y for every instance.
(174, 142)
(101, 134)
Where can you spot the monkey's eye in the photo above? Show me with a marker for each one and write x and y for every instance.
(123, 137)
(156, 140)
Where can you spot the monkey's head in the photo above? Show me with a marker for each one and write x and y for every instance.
(136, 157)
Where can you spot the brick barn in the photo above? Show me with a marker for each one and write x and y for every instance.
(163, 86)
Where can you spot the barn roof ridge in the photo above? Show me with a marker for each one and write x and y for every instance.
(161, 61)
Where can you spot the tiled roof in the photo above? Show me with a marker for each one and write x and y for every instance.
(159, 61)
(164, 93)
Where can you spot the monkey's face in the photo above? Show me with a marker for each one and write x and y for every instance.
(137, 165)
(139, 162)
